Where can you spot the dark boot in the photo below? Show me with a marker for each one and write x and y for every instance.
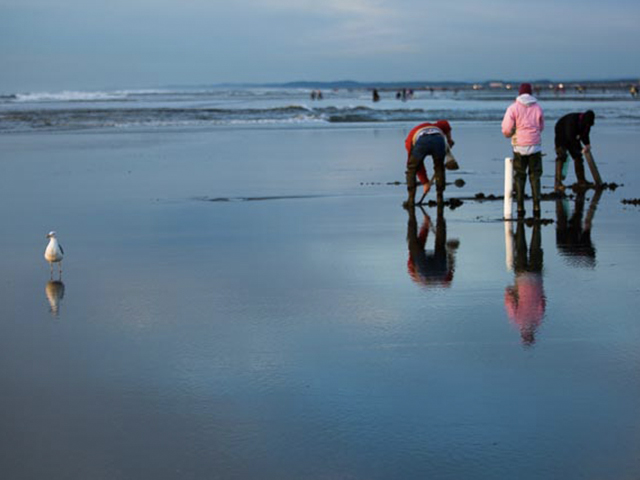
(558, 186)
(535, 195)
(535, 173)
(410, 176)
(579, 166)
(519, 184)
(411, 199)
(439, 171)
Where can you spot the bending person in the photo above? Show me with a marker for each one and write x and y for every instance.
(572, 131)
(423, 140)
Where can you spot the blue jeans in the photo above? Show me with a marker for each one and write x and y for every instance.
(427, 145)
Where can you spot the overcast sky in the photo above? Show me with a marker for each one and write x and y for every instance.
(94, 44)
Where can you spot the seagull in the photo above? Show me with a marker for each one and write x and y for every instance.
(54, 252)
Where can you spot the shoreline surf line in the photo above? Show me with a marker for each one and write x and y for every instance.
(260, 198)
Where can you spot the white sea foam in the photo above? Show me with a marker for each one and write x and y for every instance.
(147, 91)
(70, 96)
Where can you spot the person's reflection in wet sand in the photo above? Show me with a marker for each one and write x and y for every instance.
(55, 293)
(573, 237)
(432, 268)
(525, 301)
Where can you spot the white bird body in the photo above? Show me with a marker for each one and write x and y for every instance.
(54, 252)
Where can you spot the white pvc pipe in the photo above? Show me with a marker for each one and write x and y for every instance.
(508, 245)
(508, 187)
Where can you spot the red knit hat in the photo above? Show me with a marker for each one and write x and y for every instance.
(444, 126)
(525, 88)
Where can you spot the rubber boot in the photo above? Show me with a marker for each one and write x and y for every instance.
(579, 166)
(519, 184)
(440, 172)
(411, 198)
(558, 186)
(438, 167)
(411, 183)
(535, 195)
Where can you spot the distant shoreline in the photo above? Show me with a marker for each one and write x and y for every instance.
(621, 83)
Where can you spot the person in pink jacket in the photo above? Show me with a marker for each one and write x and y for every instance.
(523, 122)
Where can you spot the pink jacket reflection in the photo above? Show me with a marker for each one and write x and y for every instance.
(525, 304)
(525, 301)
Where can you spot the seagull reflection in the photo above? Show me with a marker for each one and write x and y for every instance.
(525, 301)
(430, 268)
(573, 237)
(55, 293)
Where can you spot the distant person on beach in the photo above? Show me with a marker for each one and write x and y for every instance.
(404, 94)
(423, 140)
(376, 95)
(572, 131)
(523, 122)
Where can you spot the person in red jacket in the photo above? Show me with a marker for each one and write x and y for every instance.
(423, 140)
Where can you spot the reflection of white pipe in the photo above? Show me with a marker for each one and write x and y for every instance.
(508, 244)
(508, 187)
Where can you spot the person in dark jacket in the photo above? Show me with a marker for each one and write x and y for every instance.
(572, 131)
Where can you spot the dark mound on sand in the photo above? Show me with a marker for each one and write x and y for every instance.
(452, 203)
(541, 221)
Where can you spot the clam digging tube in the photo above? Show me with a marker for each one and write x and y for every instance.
(592, 166)
(508, 187)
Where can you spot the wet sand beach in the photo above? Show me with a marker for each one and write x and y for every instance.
(254, 302)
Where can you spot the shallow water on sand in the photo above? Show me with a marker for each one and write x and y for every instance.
(310, 333)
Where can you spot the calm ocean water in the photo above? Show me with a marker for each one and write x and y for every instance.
(318, 331)
(193, 107)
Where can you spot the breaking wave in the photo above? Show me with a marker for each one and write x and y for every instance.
(184, 108)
